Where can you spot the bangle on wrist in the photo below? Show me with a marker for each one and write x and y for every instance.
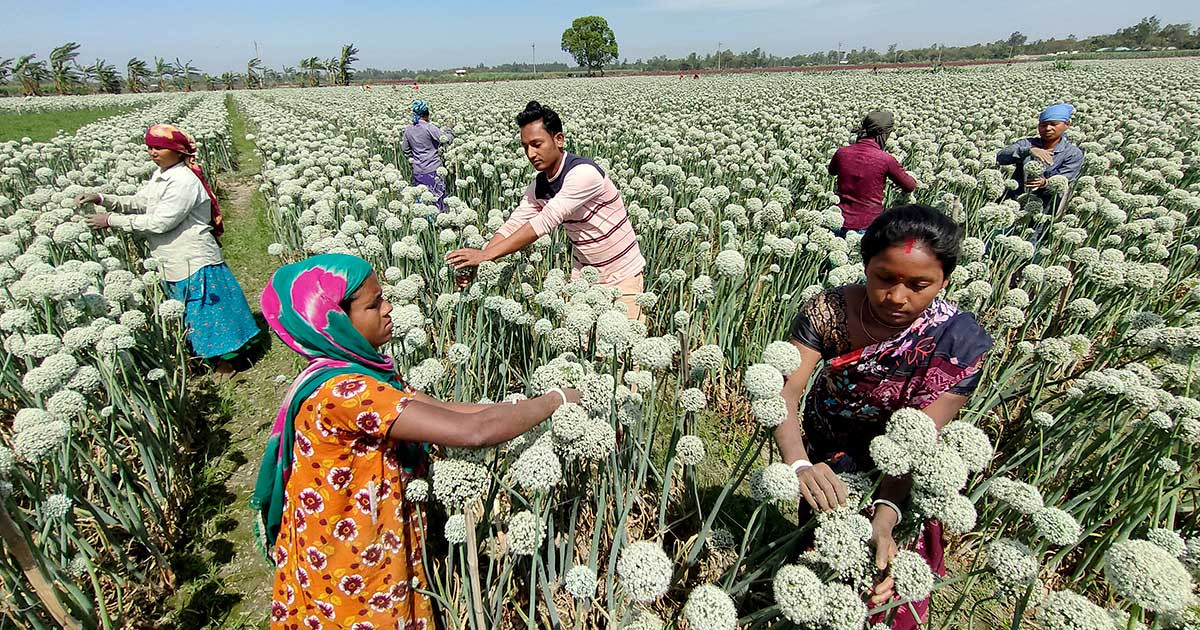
(559, 391)
(100, 196)
(800, 464)
(899, 514)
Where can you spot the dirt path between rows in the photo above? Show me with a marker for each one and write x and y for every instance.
(225, 581)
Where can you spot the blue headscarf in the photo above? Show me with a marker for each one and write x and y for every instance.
(419, 109)
(1060, 112)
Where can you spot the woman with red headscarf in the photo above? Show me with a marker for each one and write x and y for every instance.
(177, 214)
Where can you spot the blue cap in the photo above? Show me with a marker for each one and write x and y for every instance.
(1061, 112)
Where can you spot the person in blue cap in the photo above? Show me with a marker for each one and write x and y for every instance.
(422, 139)
(1054, 153)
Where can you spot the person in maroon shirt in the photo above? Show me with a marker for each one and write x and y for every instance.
(863, 168)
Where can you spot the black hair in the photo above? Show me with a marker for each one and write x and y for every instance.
(347, 301)
(535, 111)
(941, 234)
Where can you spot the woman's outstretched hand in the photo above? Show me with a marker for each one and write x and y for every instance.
(821, 487)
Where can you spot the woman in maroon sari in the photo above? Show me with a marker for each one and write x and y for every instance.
(886, 345)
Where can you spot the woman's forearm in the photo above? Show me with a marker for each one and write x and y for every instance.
(790, 438)
(503, 422)
(451, 405)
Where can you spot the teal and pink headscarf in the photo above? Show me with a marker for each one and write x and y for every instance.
(302, 305)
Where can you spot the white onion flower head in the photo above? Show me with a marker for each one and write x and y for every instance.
(710, 608)
(763, 381)
(457, 482)
(1013, 563)
(56, 507)
(776, 483)
(644, 570)
(770, 412)
(690, 450)
(890, 457)
(525, 533)
(654, 353)
(1057, 526)
(912, 429)
(459, 354)
(7, 461)
(612, 330)
(417, 491)
(1018, 495)
(1148, 576)
(171, 310)
(783, 356)
(1067, 610)
(1169, 540)
(939, 471)
(1043, 419)
(66, 404)
(36, 442)
(730, 263)
(913, 578)
(456, 529)
(971, 444)
(537, 468)
(841, 542)
(580, 581)
(692, 400)
(799, 594)
(844, 609)
(956, 512)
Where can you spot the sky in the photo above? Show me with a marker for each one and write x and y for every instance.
(219, 35)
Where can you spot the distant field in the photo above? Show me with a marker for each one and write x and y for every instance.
(43, 125)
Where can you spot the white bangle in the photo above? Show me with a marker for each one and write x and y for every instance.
(800, 464)
(899, 514)
(101, 197)
(559, 391)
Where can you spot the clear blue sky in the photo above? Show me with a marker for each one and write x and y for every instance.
(218, 35)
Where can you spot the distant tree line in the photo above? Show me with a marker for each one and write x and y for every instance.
(1147, 34)
(62, 73)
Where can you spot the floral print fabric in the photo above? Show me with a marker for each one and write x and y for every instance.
(348, 553)
(857, 391)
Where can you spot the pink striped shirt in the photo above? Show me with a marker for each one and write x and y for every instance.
(590, 208)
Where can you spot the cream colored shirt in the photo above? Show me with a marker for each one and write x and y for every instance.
(172, 212)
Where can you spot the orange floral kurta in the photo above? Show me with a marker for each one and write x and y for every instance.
(348, 553)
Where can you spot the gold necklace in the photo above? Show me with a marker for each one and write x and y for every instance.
(863, 325)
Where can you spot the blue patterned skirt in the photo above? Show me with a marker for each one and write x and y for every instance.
(218, 318)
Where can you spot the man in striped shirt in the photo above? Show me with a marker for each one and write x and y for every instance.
(574, 192)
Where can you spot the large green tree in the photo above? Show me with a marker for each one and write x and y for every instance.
(136, 72)
(61, 61)
(31, 74)
(252, 73)
(591, 42)
(345, 62)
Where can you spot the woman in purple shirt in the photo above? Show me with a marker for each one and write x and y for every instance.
(421, 142)
(862, 169)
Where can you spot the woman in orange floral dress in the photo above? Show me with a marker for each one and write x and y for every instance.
(349, 437)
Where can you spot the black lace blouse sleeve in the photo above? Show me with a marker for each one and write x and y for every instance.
(804, 332)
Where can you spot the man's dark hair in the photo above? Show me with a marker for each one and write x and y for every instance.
(919, 223)
(535, 111)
